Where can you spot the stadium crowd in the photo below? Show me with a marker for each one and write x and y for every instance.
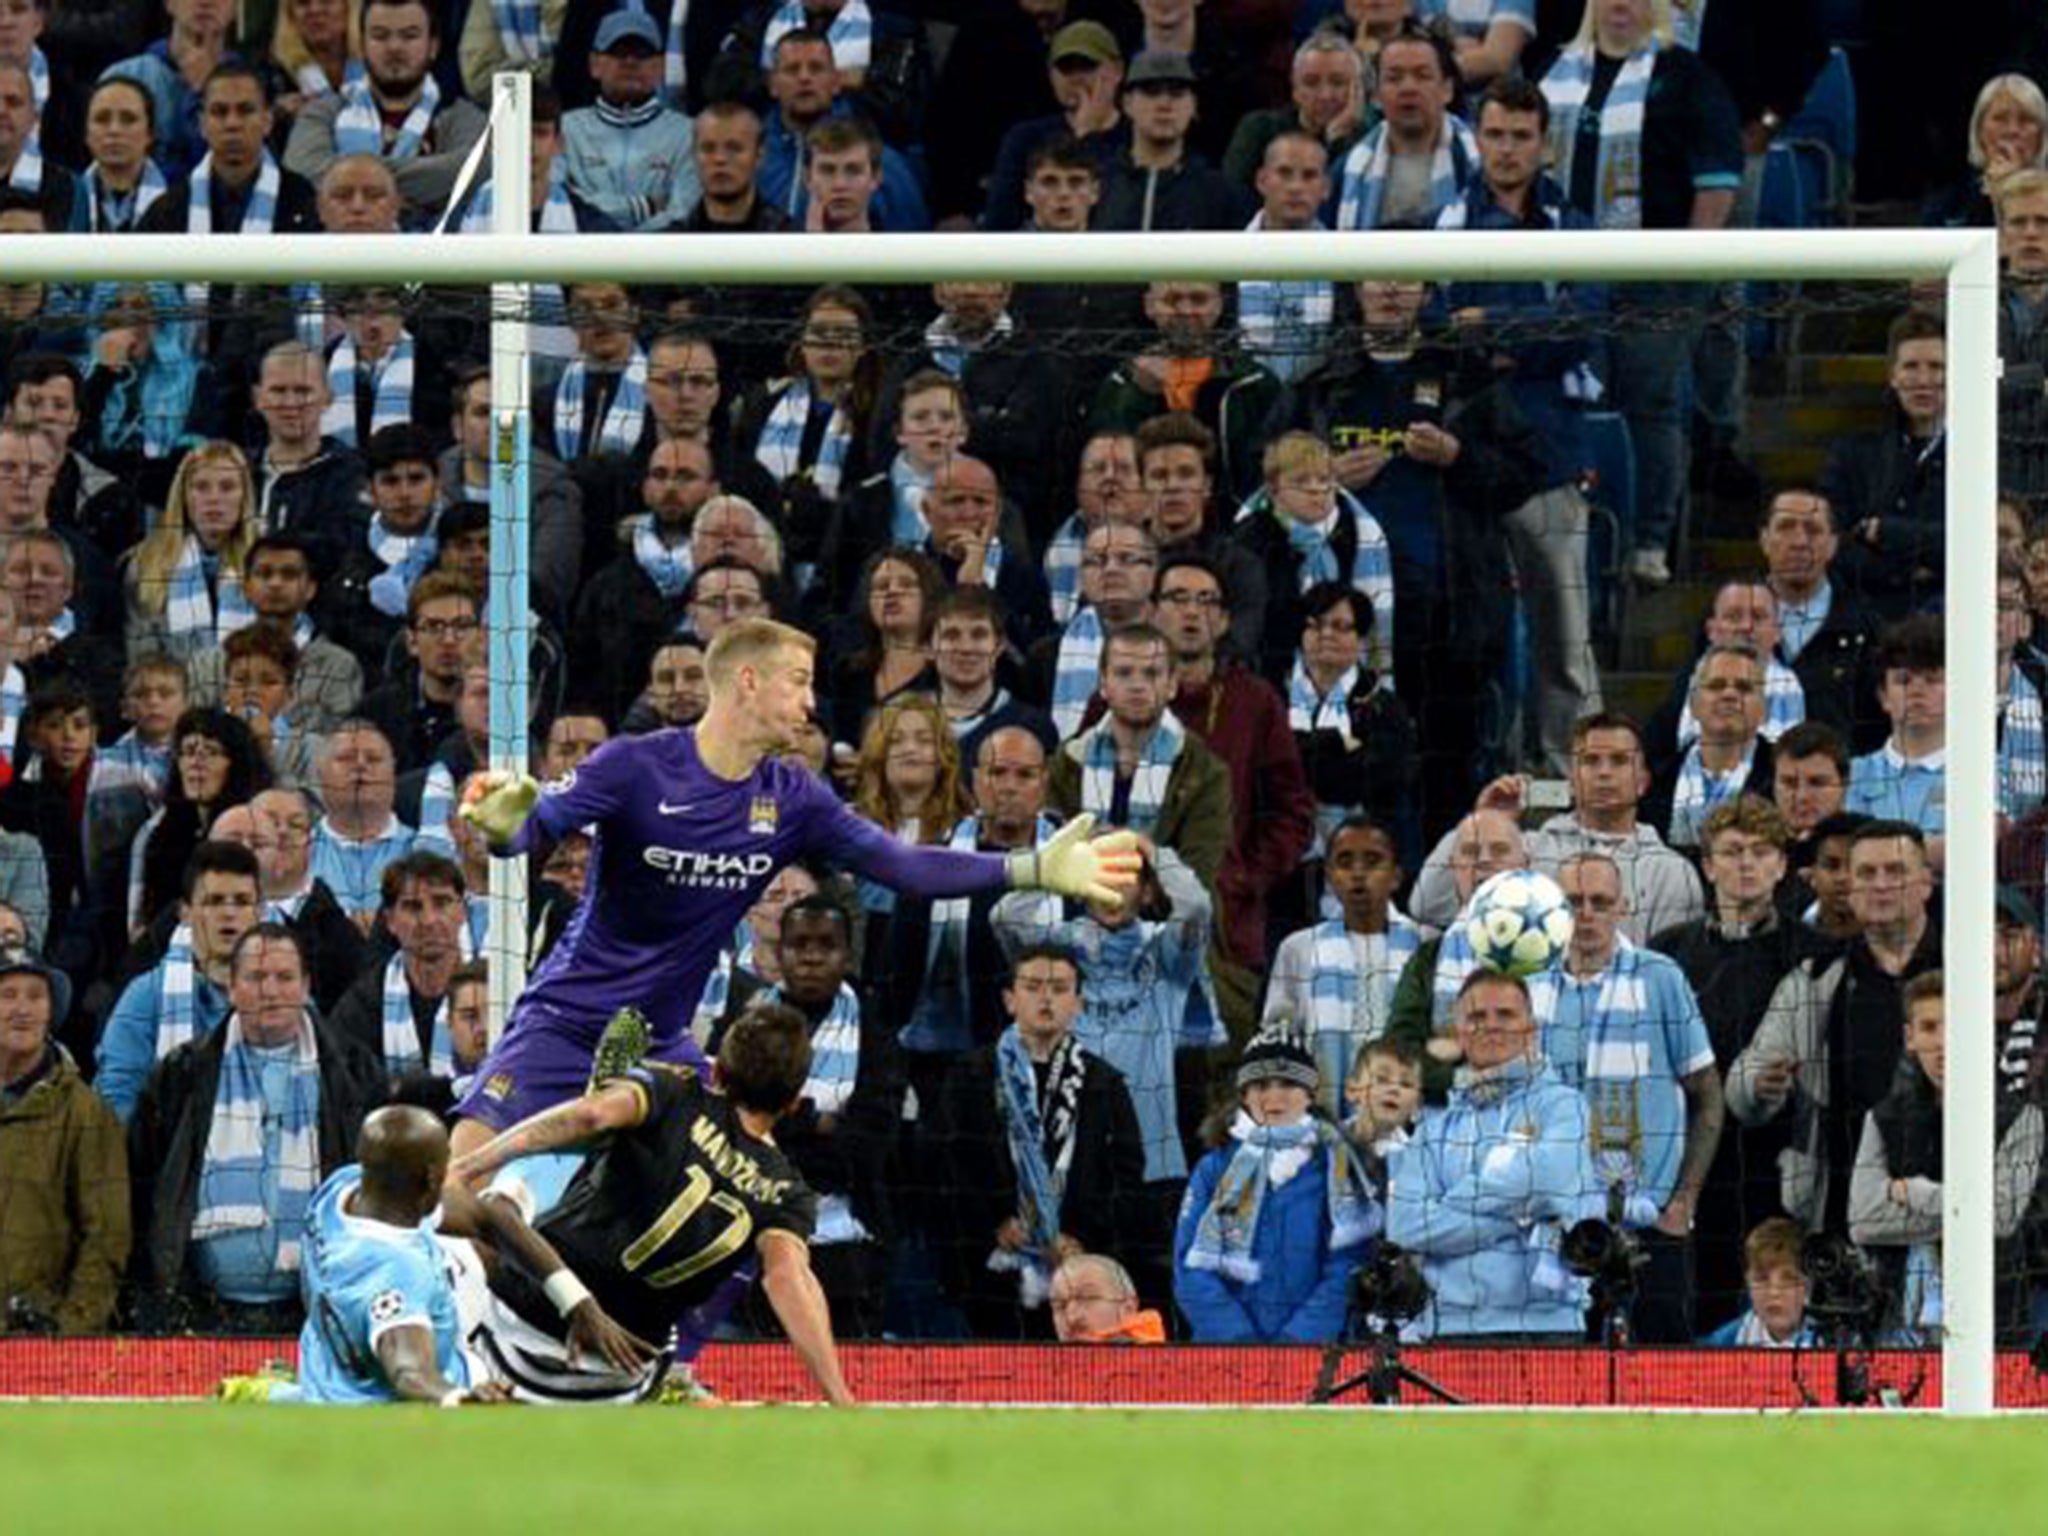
(1237, 566)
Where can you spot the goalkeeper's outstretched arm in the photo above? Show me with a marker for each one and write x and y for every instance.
(1071, 862)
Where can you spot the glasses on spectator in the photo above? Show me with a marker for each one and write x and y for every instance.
(444, 629)
(1123, 560)
(1182, 598)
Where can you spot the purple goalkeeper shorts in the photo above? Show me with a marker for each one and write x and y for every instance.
(543, 1060)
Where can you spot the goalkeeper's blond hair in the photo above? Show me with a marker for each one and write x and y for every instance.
(751, 643)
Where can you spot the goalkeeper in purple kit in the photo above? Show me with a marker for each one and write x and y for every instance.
(691, 824)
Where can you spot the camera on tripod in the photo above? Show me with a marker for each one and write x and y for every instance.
(1608, 1255)
(1844, 1295)
(1388, 1288)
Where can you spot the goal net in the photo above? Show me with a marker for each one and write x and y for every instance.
(1350, 572)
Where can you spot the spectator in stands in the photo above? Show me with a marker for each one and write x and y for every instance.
(397, 1011)
(1809, 777)
(2008, 132)
(1731, 754)
(260, 672)
(316, 48)
(378, 559)
(727, 153)
(1277, 1217)
(1155, 180)
(845, 1123)
(2022, 338)
(185, 996)
(415, 710)
(1235, 56)
(358, 196)
(29, 467)
(215, 764)
(1139, 767)
(396, 112)
(122, 180)
(1734, 959)
(228, 1153)
(1334, 979)
(1827, 911)
(2018, 990)
(1489, 38)
(889, 654)
(1061, 1169)
(1107, 489)
(47, 391)
(556, 510)
(134, 771)
(1490, 1184)
(929, 417)
(907, 780)
(1085, 69)
(632, 604)
(678, 689)
(278, 582)
(148, 394)
(1094, 1301)
(63, 1166)
(1895, 1191)
(1744, 612)
(628, 153)
(380, 373)
(277, 826)
(1830, 1037)
(1824, 629)
(1243, 720)
(38, 574)
(1383, 1097)
(52, 799)
(1903, 779)
(719, 593)
(177, 70)
(1118, 571)
(878, 58)
(1620, 1023)
(1144, 963)
(967, 651)
(571, 737)
(866, 177)
(2022, 749)
(965, 511)
(1887, 488)
(184, 583)
(1775, 1280)
(34, 317)
(307, 482)
(1327, 104)
(358, 835)
(1418, 160)
(1644, 136)
(598, 408)
(1289, 326)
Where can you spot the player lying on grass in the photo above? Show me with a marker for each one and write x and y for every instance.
(683, 1189)
(383, 1270)
(692, 824)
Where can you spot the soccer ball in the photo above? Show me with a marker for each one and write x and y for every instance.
(1518, 923)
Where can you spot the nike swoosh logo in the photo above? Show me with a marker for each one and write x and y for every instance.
(672, 810)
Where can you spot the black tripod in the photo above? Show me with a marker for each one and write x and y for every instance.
(1382, 1378)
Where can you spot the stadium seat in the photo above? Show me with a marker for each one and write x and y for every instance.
(1824, 129)
(1611, 488)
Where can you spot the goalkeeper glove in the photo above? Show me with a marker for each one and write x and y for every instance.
(1103, 869)
(499, 804)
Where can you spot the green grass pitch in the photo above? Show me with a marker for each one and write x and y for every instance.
(137, 1469)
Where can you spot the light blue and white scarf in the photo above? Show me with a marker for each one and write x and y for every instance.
(359, 126)
(236, 1165)
(1309, 711)
(13, 700)
(908, 525)
(1076, 670)
(406, 558)
(1270, 1157)
(2022, 750)
(1698, 792)
(27, 175)
(437, 808)
(1372, 564)
(113, 213)
(547, 331)
(711, 1005)
(835, 1052)
(402, 1035)
(780, 448)
(1148, 782)
(1688, 20)
(851, 33)
(1063, 567)
(675, 66)
(1362, 182)
(624, 420)
(191, 609)
(177, 1017)
(522, 31)
(1784, 703)
(668, 566)
(390, 380)
(1286, 325)
(1618, 182)
(1041, 1132)
(1349, 997)
(38, 79)
(950, 350)
(130, 763)
(258, 218)
(313, 83)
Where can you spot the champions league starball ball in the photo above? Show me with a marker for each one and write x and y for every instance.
(1518, 923)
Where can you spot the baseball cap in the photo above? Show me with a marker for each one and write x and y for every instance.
(1155, 66)
(632, 23)
(16, 959)
(1089, 40)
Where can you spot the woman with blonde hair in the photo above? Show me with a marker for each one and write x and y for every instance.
(316, 49)
(183, 583)
(907, 780)
(2008, 132)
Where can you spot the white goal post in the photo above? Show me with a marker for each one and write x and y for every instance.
(1966, 260)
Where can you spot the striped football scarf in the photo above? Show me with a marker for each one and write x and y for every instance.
(1363, 179)
(1041, 1130)
(835, 1052)
(2022, 749)
(780, 449)
(675, 64)
(191, 609)
(437, 808)
(711, 1004)
(851, 33)
(522, 32)
(1349, 999)
(624, 420)
(1268, 1157)
(1148, 783)
(27, 175)
(1286, 325)
(13, 700)
(547, 330)
(258, 218)
(1063, 568)
(390, 381)
(1075, 670)
(405, 556)
(359, 126)
(116, 213)
(237, 1162)
(668, 566)
(1618, 181)
(908, 484)
(1697, 792)
(402, 1036)
(177, 1017)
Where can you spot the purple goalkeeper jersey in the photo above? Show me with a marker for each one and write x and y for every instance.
(680, 854)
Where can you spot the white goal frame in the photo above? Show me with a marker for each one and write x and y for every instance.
(1966, 261)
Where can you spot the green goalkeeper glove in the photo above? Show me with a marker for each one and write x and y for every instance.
(1103, 869)
(497, 804)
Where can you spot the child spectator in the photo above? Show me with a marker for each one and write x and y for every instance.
(1275, 1221)
(262, 670)
(1776, 1317)
(1384, 1091)
(49, 801)
(1902, 780)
